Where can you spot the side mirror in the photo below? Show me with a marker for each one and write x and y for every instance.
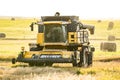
(31, 25)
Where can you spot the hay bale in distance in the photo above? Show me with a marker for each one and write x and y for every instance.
(12, 19)
(111, 38)
(108, 46)
(101, 46)
(110, 25)
(2, 35)
(99, 21)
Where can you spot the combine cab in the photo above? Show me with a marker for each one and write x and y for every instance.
(60, 39)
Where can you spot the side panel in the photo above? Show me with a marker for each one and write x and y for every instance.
(72, 37)
(40, 38)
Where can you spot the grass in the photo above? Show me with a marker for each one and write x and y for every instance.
(11, 48)
(100, 70)
(16, 29)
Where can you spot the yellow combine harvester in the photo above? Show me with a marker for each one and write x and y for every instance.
(60, 39)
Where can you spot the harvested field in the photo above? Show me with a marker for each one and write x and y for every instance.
(99, 71)
(41, 73)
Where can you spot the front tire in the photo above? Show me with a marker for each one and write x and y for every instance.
(74, 59)
(84, 57)
(90, 60)
(74, 63)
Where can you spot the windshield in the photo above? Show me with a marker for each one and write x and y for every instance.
(55, 33)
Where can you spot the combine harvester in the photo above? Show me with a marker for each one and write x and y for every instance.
(60, 39)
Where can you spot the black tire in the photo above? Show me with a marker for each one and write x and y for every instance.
(84, 57)
(74, 62)
(81, 59)
(90, 60)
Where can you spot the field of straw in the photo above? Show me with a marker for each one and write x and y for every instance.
(106, 65)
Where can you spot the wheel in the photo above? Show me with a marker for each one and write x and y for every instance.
(74, 57)
(84, 57)
(90, 55)
(13, 61)
(74, 63)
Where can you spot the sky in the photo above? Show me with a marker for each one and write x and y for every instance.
(85, 9)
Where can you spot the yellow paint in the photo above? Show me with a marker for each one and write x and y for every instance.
(52, 22)
(57, 22)
(40, 38)
(72, 37)
(27, 54)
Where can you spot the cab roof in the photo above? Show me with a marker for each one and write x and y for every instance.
(54, 22)
(59, 18)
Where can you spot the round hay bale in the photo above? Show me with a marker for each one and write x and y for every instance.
(110, 25)
(99, 21)
(108, 46)
(12, 19)
(111, 38)
(101, 46)
(2, 35)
